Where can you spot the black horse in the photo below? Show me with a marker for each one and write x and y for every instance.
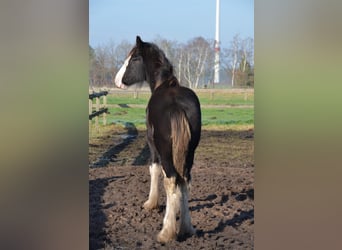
(173, 119)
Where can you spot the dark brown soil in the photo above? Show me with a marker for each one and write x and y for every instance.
(221, 199)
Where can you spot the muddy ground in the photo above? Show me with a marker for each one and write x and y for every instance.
(221, 199)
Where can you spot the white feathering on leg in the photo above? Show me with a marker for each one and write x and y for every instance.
(168, 232)
(152, 201)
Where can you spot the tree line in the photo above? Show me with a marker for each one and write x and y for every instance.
(193, 61)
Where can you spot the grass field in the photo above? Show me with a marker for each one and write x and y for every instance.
(206, 98)
(220, 110)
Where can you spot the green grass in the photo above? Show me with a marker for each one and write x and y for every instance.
(228, 116)
(123, 115)
(128, 98)
(206, 98)
(212, 117)
(224, 98)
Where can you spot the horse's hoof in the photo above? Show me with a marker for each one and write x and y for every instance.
(150, 205)
(187, 232)
(165, 236)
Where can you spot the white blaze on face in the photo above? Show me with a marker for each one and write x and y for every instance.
(120, 74)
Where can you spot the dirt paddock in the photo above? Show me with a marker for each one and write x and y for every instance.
(221, 198)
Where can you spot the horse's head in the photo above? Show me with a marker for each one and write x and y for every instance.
(145, 62)
(133, 70)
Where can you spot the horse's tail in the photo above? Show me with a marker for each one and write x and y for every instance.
(180, 136)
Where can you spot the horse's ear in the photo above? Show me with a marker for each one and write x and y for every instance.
(139, 41)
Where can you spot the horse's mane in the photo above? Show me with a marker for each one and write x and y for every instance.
(164, 75)
(161, 57)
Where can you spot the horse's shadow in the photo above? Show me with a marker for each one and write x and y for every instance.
(143, 158)
(112, 152)
(209, 204)
(97, 218)
(236, 221)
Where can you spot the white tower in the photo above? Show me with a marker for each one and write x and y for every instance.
(217, 45)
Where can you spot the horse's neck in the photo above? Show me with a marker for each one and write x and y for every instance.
(159, 75)
(164, 78)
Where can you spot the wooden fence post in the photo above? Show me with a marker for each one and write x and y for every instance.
(97, 108)
(104, 106)
(90, 111)
(135, 94)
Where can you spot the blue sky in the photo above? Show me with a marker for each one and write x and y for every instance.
(177, 20)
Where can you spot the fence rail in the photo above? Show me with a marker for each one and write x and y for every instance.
(100, 109)
(99, 94)
(97, 113)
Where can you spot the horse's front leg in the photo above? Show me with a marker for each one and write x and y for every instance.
(152, 201)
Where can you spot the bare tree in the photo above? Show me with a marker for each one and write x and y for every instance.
(245, 70)
(92, 72)
(247, 48)
(105, 61)
(238, 59)
(193, 61)
(100, 66)
(121, 52)
(167, 46)
(115, 57)
(231, 57)
(111, 62)
(173, 52)
(196, 55)
(179, 61)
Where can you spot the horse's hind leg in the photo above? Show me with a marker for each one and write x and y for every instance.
(152, 201)
(172, 207)
(185, 219)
